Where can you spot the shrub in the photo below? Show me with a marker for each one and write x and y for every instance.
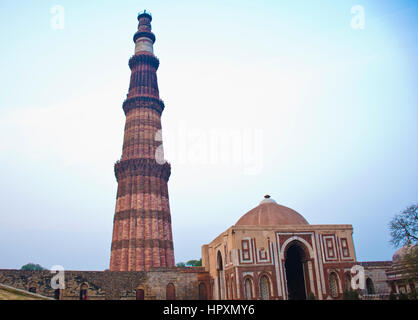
(351, 295)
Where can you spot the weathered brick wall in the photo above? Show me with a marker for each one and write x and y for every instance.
(24, 280)
(111, 285)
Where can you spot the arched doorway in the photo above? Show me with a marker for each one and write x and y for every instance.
(140, 294)
(347, 281)
(170, 293)
(295, 258)
(248, 289)
(333, 284)
(202, 292)
(57, 294)
(370, 286)
(232, 287)
(411, 286)
(32, 287)
(221, 278)
(264, 288)
(83, 291)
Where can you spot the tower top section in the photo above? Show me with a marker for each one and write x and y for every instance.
(144, 38)
(143, 14)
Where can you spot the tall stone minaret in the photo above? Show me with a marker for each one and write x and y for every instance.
(142, 236)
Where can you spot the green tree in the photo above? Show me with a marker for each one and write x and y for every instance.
(403, 296)
(194, 263)
(32, 267)
(392, 296)
(351, 295)
(190, 263)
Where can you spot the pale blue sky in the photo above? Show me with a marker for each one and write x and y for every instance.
(337, 110)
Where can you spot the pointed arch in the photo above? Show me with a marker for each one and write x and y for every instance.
(33, 287)
(333, 284)
(370, 286)
(248, 288)
(170, 292)
(297, 256)
(264, 283)
(347, 280)
(84, 291)
(221, 276)
(140, 293)
(202, 291)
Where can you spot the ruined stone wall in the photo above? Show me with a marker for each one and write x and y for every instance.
(376, 271)
(108, 285)
(186, 284)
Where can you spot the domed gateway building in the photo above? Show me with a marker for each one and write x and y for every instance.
(272, 252)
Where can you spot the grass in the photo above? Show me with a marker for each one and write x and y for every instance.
(7, 293)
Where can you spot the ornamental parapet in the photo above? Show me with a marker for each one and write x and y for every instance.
(143, 102)
(142, 167)
(144, 59)
(142, 34)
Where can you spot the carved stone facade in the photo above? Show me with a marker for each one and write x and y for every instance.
(259, 258)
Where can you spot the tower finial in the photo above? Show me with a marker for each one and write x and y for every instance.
(145, 13)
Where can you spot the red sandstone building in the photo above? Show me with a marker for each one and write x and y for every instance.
(272, 252)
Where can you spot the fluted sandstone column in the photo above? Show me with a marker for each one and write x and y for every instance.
(142, 236)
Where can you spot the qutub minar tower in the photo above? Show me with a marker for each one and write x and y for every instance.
(142, 236)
